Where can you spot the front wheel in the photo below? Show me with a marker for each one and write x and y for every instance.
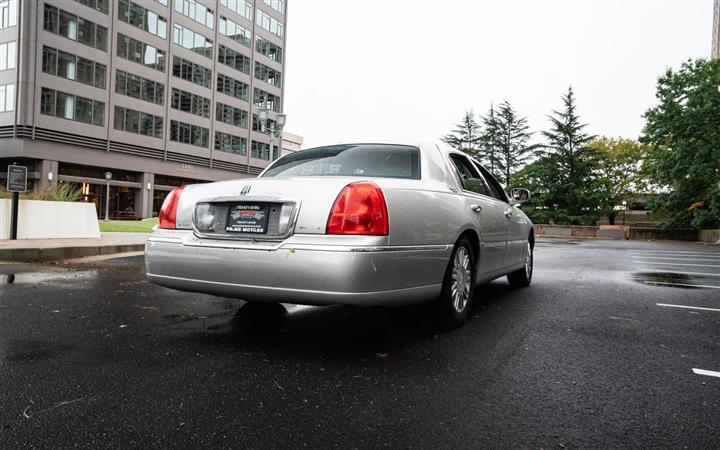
(457, 291)
(522, 277)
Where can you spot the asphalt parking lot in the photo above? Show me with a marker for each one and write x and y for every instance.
(614, 345)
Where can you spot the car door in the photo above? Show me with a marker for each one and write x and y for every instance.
(517, 234)
(487, 214)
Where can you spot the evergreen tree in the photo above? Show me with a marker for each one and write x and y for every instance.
(512, 138)
(489, 141)
(465, 137)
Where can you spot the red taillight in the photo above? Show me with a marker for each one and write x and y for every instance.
(359, 209)
(168, 211)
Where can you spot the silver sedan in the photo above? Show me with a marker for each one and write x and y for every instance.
(355, 224)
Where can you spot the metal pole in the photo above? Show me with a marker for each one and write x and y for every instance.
(14, 220)
(107, 202)
(272, 141)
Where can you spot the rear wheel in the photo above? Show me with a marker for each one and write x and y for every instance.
(523, 277)
(457, 291)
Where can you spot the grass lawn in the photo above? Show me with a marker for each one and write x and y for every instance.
(140, 226)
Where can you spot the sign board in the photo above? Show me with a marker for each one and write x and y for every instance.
(17, 178)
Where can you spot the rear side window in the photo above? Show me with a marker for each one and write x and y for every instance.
(469, 177)
(497, 191)
(364, 160)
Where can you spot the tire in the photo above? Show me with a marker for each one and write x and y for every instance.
(458, 287)
(522, 277)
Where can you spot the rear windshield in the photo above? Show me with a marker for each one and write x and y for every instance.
(366, 160)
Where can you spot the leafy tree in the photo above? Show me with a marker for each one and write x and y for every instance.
(466, 135)
(621, 169)
(564, 179)
(683, 130)
(512, 137)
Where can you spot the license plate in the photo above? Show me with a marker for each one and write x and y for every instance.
(247, 218)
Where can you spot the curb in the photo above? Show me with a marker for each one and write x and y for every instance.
(50, 254)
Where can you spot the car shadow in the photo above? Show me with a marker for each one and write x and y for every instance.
(343, 330)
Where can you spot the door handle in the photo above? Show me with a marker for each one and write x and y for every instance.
(508, 213)
(476, 208)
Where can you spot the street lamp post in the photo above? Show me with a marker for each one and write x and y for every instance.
(624, 209)
(108, 177)
(274, 130)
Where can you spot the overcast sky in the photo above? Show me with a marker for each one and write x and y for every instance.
(360, 70)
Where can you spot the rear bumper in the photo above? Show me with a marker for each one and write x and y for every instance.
(293, 272)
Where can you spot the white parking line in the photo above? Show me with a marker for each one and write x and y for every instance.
(676, 264)
(682, 258)
(665, 283)
(708, 373)
(676, 252)
(687, 307)
(705, 274)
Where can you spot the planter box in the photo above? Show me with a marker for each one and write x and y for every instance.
(43, 220)
(710, 236)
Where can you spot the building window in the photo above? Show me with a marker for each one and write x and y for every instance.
(234, 59)
(241, 7)
(231, 115)
(8, 13)
(257, 126)
(196, 11)
(99, 5)
(7, 55)
(138, 87)
(140, 52)
(191, 103)
(266, 100)
(7, 97)
(229, 143)
(267, 74)
(186, 133)
(195, 73)
(232, 87)
(277, 5)
(191, 40)
(73, 67)
(260, 150)
(269, 23)
(142, 18)
(235, 32)
(137, 122)
(268, 49)
(72, 107)
(75, 28)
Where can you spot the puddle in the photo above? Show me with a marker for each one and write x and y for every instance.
(676, 280)
(45, 277)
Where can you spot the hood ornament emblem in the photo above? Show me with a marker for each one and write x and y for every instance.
(245, 189)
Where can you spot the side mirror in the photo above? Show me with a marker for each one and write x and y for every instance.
(519, 196)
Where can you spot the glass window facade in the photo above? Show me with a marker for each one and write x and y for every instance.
(138, 87)
(196, 11)
(231, 115)
(73, 67)
(8, 53)
(269, 23)
(98, 5)
(137, 122)
(187, 38)
(8, 13)
(267, 74)
(233, 87)
(140, 52)
(268, 49)
(142, 18)
(229, 143)
(191, 103)
(242, 7)
(72, 107)
(277, 5)
(260, 150)
(75, 28)
(7, 97)
(266, 100)
(192, 72)
(236, 60)
(235, 31)
(186, 133)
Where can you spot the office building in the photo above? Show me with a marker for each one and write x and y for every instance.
(291, 143)
(158, 93)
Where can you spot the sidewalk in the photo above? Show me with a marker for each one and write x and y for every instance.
(51, 249)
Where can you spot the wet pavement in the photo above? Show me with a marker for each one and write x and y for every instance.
(614, 345)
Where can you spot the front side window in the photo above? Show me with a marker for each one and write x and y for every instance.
(496, 190)
(363, 160)
(469, 177)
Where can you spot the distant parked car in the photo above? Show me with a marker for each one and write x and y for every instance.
(355, 224)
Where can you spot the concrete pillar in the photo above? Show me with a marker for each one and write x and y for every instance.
(47, 170)
(144, 196)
